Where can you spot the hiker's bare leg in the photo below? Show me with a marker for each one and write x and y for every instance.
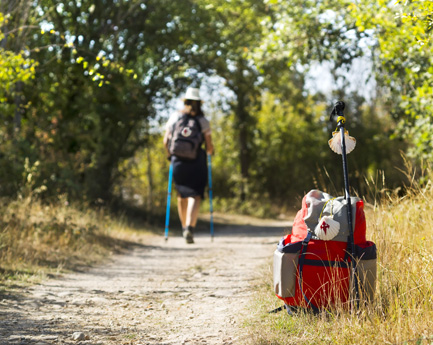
(182, 206)
(193, 210)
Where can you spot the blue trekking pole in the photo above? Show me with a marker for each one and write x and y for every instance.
(167, 214)
(209, 168)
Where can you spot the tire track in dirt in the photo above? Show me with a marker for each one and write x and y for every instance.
(158, 293)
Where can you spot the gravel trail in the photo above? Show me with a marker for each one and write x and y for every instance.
(164, 293)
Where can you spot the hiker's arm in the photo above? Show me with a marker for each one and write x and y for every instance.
(209, 144)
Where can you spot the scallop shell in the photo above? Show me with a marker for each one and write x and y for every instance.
(335, 142)
(327, 228)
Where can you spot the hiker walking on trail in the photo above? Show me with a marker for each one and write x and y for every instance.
(185, 133)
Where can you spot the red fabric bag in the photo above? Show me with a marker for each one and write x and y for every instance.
(315, 273)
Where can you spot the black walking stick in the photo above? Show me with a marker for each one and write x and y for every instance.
(339, 139)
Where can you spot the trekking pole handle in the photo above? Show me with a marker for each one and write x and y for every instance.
(338, 110)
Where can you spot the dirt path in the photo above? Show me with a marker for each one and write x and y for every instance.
(158, 293)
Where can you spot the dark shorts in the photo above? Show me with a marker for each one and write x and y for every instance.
(190, 177)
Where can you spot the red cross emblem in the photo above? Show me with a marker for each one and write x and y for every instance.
(324, 227)
(186, 132)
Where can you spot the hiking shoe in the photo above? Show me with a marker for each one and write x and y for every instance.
(187, 234)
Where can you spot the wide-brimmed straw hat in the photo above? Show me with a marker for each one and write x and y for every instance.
(192, 94)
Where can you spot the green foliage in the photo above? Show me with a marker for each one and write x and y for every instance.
(14, 68)
(300, 32)
(145, 176)
(291, 144)
(403, 51)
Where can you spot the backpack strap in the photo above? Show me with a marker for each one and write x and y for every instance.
(182, 115)
(198, 122)
(195, 118)
(301, 266)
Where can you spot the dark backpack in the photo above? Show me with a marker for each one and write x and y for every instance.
(186, 137)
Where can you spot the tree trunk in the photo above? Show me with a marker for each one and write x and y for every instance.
(149, 179)
(18, 107)
(244, 154)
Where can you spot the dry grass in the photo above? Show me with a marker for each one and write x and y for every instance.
(37, 239)
(402, 313)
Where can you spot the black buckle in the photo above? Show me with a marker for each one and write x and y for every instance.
(307, 239)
